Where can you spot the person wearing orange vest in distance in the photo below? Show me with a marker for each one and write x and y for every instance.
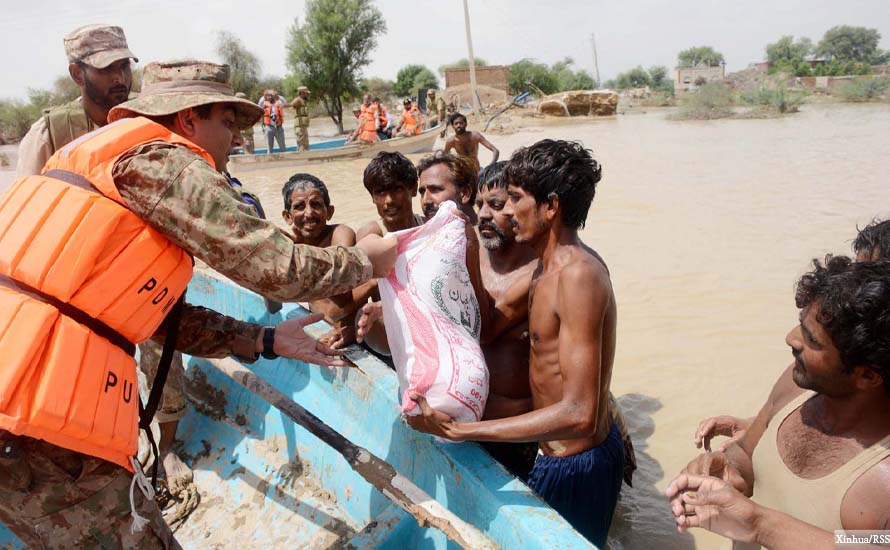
(384, 130)
(412, 121)
(273, 119)
(110, 271)
(366, 131)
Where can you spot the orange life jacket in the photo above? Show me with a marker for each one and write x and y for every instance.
(267, 116)
(412, 120)
(63, 242)
(381, 118)
(368, 121)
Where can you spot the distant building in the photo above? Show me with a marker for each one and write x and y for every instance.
(688, 79)
(761, 66)
(495, 76)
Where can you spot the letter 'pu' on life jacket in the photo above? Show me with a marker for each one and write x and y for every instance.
(66, 245)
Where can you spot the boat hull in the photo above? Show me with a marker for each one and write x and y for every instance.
(330, 151)
(266, 482)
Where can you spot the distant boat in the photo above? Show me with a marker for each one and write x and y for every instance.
(336, 149)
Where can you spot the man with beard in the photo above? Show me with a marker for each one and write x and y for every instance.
(466, 143)
(816, 459)
(572, 329)
(99, 63)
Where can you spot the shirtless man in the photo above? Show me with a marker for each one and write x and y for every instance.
(872, 243)
(307, 211)
(572, 321)
(817, 457)
(391, 180)
(466, 143)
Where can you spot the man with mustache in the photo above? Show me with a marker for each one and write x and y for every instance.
(572, 315)
(466, 143)
(816, 459)
(445, 177)
(99, 63)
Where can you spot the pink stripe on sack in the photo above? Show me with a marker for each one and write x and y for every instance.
(421, 334)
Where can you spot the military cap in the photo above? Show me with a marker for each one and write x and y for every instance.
(97, 45)
(302, 89)
(172, 86)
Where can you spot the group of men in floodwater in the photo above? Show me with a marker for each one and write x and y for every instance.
(157, 163)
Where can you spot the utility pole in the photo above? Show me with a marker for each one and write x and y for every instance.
(476, 106)
(596, 63)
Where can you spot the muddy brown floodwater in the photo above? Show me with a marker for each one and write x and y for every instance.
(706, 227)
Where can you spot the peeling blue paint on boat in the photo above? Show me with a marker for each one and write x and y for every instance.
(246, 453)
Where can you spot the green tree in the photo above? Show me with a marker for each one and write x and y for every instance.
(378, 87)
(699, 55)
(329, 50)
(786, 49)
(244, 64)
(463, 62)
(569, 79)
(404, 85)
(855, 44)
(637, 77)
(526, 74)
(424, 79)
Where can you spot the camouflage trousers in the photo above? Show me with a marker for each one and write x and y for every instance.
(52, 497)
(173, 400)
(302, 137)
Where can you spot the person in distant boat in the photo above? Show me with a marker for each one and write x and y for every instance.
(466, 143)
(871, 243)
(384, 121)
(572, 329)
(273, 119)
(366, 131)
(411, 123)
(816, 459)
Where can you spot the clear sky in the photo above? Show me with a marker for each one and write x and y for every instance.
(431, 32)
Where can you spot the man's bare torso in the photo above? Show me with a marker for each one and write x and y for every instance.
(544, 367)
(467, 145)
(507, 355)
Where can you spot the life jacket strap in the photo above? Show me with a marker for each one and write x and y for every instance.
(72, 312)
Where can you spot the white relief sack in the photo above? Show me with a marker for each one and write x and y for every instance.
(433, 320)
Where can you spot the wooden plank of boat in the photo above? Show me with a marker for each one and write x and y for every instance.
(406, 145)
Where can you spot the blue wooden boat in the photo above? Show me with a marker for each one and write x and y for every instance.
(336, 149)
(265, 482)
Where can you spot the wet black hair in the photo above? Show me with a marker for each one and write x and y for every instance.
(492, 176)
(302, 182)
(564, 169)
(463, 173)
(854, 307)
(388, 170)
(874, 238)
(454, 116)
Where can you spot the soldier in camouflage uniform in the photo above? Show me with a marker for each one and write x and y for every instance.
(301, 120)
(99, 63)
(57, 498)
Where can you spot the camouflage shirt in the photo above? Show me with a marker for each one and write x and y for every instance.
(175, 191)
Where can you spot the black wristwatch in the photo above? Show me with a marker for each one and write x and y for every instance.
(268, 343)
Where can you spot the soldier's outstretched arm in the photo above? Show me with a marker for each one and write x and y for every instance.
(193, 205)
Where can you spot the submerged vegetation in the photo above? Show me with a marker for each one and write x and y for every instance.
(710, 101)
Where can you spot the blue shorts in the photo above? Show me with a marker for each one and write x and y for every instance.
(584, 487)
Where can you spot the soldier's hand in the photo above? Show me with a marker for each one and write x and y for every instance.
(382, 253)
(292, 341)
